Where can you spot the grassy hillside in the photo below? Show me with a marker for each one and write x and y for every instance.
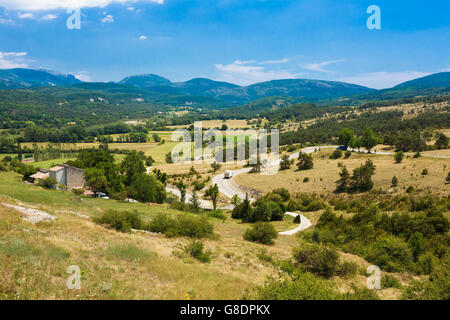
(114, 265)
(323, 177)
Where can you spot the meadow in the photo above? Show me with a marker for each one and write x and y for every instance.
(323, 177)
(114, 265)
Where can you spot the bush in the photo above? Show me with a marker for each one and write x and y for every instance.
(195, 250)
(347, 269)
(49, 183)
(297, 219)
(399, 156)
(410, 189)
(78, 192)
(425, 172)
(182, 226)
(305, 287)
(317, 259)
(347, 154)
(389, 281)
(218, 214)
(276, 212)
(391, 254)
(337, 154)
(122, 221)
(261, 232)
(394, 181)
(305, 162)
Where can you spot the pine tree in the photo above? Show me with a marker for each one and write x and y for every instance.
(285, 162)
(342, 183)
(394, 181)
(195, 202)
(305, 161)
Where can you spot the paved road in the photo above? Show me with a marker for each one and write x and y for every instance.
(304, 224)
(229, 188)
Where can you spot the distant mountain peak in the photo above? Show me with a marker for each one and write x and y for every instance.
(20, 78)
(145, 81)
(435, 80)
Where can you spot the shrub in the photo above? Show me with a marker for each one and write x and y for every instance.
(276, 212)
(337, 154)
(315, 205)
(49, 183)
(399, 156)
(305, 180)
(161, 223)
(390, 253)
(317, 259)
(218, 214)
(305, 162)
(389, 281)
(360, 294)
(394, 181)
(195, 250)
(297, 219)
(305, 287)
(182, 226)
(425, 172)
(347, 154)
(260, 213)
(410, 189)
(122, 221)
(347, 269)
(78, 192)
(261, 232)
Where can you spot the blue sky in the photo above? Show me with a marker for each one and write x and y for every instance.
(237, 41)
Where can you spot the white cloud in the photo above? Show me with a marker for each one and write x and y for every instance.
(7, 21)
(319, 67)
(25, 15)
(285, 60)
(383, 80)
(241, 72)
(108, 19)
(143, 37)
(83, 76)
(10, 60)
(49, 17)
(63, 4)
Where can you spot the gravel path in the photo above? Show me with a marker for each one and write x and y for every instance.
(31, 215)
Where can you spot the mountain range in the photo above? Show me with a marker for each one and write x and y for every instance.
(222, 94)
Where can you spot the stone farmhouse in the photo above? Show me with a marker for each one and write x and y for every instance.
(65, 175)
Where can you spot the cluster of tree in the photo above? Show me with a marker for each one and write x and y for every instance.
(359, 181)
(133, 137)
(129, 179)
(415, 241)
(78, 133)
(386, 124)
(271, 207)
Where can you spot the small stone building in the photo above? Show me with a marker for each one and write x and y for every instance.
(65, 175)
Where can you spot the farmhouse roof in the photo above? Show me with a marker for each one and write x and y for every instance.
(39, 176)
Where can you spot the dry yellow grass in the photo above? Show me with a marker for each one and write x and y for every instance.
(123, 266)
(325, 173)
